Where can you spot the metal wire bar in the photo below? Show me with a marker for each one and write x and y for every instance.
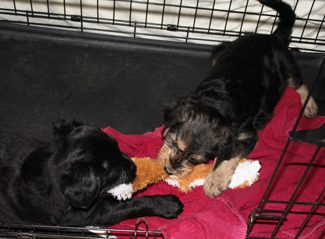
(64, 9)
(195, 14)
(295, 193)
(45, 231)
(105, 21)
(312, 211)
(211, 16)
(81, 17)
(276, 170)
(15, 8)
(48, 8)
(243, 18)
(259, 18)
(227, 17)
(272, 211)
(97, 10)
(179, 13)
(114, 11)
(31, 6)
(307, 19)
(130, 13)
(297, 203)
(147, 12)
(163, 15)
(215, 9)
(319, 29)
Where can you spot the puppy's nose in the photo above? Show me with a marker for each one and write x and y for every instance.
(168, 171)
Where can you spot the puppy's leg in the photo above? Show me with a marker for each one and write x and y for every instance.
(311, 107)
(295, 81)
(219, 179)
(166, 206)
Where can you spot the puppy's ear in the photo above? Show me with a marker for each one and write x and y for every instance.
(165, 132)
(177, 111)
(79, 185)
(63, 128)
(169, 111)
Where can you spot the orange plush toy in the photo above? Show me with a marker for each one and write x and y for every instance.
(150, 172)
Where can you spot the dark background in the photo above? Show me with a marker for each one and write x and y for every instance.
(106, 81)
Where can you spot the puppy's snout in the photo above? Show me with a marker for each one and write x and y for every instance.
(168, 170)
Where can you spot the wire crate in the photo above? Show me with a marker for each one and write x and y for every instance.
(191, 21)
(264, 214)
(207, 22)
(44, 231)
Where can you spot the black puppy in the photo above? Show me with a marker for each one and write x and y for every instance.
(68, 180)
(220, 119)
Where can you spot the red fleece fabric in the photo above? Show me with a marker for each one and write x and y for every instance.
(226, 216)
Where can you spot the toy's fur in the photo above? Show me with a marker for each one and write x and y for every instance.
(220, 119)
(150, 171)
(66, 180)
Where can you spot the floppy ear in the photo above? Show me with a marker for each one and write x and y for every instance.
(177, 111)
(169, 112)
(79, 185)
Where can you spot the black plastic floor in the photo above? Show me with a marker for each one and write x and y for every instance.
(47, 75)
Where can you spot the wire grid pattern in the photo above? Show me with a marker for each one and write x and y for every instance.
(263, 214)
(191, 21)
(141, 230)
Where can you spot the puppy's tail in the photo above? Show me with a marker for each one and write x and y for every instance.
(287, 19)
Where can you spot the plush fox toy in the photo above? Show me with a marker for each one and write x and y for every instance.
(149, 172)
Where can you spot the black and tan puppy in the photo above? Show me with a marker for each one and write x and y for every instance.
(220, 119)
(72, 180)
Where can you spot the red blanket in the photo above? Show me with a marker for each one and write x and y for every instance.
(226, 215)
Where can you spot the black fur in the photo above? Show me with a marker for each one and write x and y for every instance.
(65, 181)
(220, 119)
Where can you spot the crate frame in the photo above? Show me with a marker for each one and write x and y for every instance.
(173, 30)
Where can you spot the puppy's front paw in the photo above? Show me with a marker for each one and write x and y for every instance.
(214, 184)
(121, 192)
(170, 206)
(219, 179)
(311, 109)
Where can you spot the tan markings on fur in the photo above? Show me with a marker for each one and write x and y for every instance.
(181, 144)
(218, 180)
(165, 132)
(311, 107)
(243, 136)
(198, 157)
(164, 155)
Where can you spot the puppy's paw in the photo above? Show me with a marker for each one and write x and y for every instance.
(169, 206)
(215, 184)
(121, 192)
(311, 109)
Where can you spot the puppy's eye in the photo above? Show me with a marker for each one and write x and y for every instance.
(193, 160)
